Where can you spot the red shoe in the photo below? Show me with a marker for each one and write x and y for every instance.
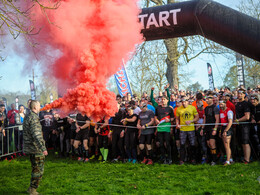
(150, 162)
(86, 160)
(245, 162)
(80, 159)
(144, 161)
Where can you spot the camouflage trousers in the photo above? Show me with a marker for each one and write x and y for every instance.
(37, 162)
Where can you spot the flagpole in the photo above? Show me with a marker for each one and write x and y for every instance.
(127, 78)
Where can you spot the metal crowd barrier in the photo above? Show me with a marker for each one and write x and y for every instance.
(12, 141)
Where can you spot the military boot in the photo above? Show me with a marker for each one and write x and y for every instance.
(32, 191)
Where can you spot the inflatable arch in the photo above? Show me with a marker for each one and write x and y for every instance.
(207, 18)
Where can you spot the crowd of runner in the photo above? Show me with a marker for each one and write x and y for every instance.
(216, 127)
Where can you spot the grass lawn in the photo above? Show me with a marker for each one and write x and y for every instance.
(63, 176)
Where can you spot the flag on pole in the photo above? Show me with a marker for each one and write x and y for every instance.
(33, 93)
(211, 80)
(122, 82)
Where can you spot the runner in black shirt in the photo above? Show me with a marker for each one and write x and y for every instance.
(82, 124)
(255, 120)
(130, 134)
(67, 130)
(118, 135)
(163, 117)
(46, 118)
(243, 115)
(211, 117)
(59, 124)
(72, 131)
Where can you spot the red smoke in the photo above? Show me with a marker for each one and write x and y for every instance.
(90, 37)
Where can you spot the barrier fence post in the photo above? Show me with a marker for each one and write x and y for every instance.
(13, 140)
(11, 145)
(7, 141)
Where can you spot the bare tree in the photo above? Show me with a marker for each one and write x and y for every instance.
(184, 49)
(148, 67)
(252, 67)
(16, 19)
(47, 87)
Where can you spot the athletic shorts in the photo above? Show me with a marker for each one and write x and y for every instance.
(146, 139)
(229, 132)
(82, 135)
(209, 134)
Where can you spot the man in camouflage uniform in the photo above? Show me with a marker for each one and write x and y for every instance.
(34, 145)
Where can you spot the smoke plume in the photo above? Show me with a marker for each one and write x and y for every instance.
(90, 38)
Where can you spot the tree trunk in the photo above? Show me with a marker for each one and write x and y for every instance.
(172, 55)
(172, 61)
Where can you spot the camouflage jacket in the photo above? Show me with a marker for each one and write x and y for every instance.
(32, 135)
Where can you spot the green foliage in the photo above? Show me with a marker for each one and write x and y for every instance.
(10, 96)
(252, 72)
(71, 177)
(194, 87)
(230, 79)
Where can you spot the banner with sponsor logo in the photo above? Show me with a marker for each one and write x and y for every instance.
(240, 70)
(122, 82)
(32, 88)
(211, 80)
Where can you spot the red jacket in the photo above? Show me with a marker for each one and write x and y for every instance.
(11, 116)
